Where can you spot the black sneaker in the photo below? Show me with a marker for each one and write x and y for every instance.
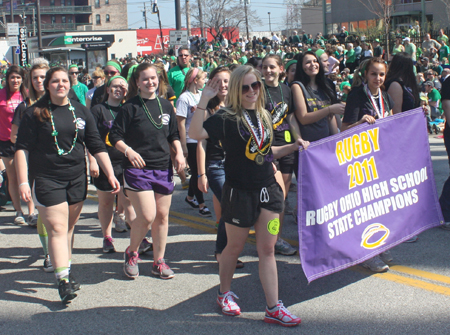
(66, 291)
(75, 285)
(204, 212)
(193, 203)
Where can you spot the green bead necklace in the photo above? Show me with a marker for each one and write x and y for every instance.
(61, 152)
(109, 107)
(157, 125)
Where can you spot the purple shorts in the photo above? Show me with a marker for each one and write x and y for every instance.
(159, 181)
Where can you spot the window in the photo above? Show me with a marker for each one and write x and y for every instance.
(98, 19)
(63, 19)
(53, 19)
(107, 18)
(52, 2)
(69, 2)
(69, 19)
(97, 3)
(106, 2)
(63, 2)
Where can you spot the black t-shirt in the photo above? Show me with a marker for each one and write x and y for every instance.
(133, 126)
(408, 97)
(18, 113)
(241, 170)
(279, 107)
(214, 150)
(97, 97)
(358, 104)
(104, 116)
(36, 137)
(445, 95)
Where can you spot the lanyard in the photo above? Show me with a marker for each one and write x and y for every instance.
(378, 109)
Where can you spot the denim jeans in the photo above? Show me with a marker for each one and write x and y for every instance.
(216, 178)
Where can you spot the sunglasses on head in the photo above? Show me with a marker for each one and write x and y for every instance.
(110, 73)
(255, 86)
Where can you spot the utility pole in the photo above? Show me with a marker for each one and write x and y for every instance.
(200, 16)
(39, 26)
(155, 10)
(145, 15)
(270, 25)
(12, 11)
(177, 15)
(246, 19)
(34, 23)
(188, 18)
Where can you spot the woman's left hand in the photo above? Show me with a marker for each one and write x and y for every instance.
(180, 162)
(115, 184)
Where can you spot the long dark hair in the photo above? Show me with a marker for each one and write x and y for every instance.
(214, 102)
(15, 69)
(321, 81)
(41, 111)
(401, 67)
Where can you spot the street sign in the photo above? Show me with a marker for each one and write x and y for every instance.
(13, 41)
(178, 37)
(17, 50)
(12, 29)
(23, 55)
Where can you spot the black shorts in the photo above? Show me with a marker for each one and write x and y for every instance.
(7, 149)
(48, 192)
(102, 183)
(241, 208)
(285, 164)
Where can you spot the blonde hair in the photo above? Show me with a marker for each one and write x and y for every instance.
(234, 98)
(98, 73)
(187, 80)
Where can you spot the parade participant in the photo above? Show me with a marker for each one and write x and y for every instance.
(178, 73)
(104, 115)
(98, 79)
(366, 103)
(279, 103)
(36, 91)
(251, 195)
(54, 133)
(11, 96)
(112, 68)
(79, 88)
(186, 105)
(143, 131)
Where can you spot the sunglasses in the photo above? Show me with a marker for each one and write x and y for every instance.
(255, 86)
(95, 78)
(110, 73)
(183, 55)
(72, 73)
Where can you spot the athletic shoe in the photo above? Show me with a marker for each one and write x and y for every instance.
(19, 219)
(66, 291)
(185, 185)
(32, 220)
(446, 226)
(131, 268)
(48, 267)
(386, 257)
(204, 212)
(75, 285)
(375, 264)
(120, 225)
(412, 239)
(108, 246)
(145, 246)
(193, 203)
(161, 269)
(227, 303)
(280, 315)
(284, 248)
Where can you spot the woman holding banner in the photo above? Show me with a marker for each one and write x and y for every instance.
(367, 103)
(251, 194)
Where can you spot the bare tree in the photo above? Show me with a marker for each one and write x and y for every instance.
(293, 15)
(447, 7)
(222, 16)
(383, 9)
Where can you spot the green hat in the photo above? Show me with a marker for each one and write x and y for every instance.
(112, 78)
(114, 64)
(344, 84)
(72, 66)
(377, 40)
(319, 52)
(288, 64)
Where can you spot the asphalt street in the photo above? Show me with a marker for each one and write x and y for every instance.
(412, 298)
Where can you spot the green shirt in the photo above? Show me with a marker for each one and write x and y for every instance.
(81, 90)
(243, 60)
(410, 49)
(443, 39)
(443, 52)
(176, 77)
(350, 56)
(434, 95)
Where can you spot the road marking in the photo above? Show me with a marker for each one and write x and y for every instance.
(208, 226)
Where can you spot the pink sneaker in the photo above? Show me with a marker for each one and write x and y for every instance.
(227, 303)
(281, 316)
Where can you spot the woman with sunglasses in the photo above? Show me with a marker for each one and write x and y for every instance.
(186, 105)
(112, 68)
(54, 133)
(104, 116)
(79, 88)
(143, 131)
(251, 195)
(11, 96)
(98, 79)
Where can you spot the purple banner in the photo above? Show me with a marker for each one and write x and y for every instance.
(363, 191)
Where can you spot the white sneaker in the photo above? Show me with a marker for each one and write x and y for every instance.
(32, 220)
(19, 219)
(119, 222)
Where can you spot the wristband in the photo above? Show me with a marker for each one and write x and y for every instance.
(23, 184)
(201, 175)
(125, 153)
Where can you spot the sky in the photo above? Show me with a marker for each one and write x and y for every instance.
(167, 11)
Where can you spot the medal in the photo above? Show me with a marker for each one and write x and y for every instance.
(257, 133)
(259, 159)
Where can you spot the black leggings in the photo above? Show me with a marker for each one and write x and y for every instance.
(193, 185)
